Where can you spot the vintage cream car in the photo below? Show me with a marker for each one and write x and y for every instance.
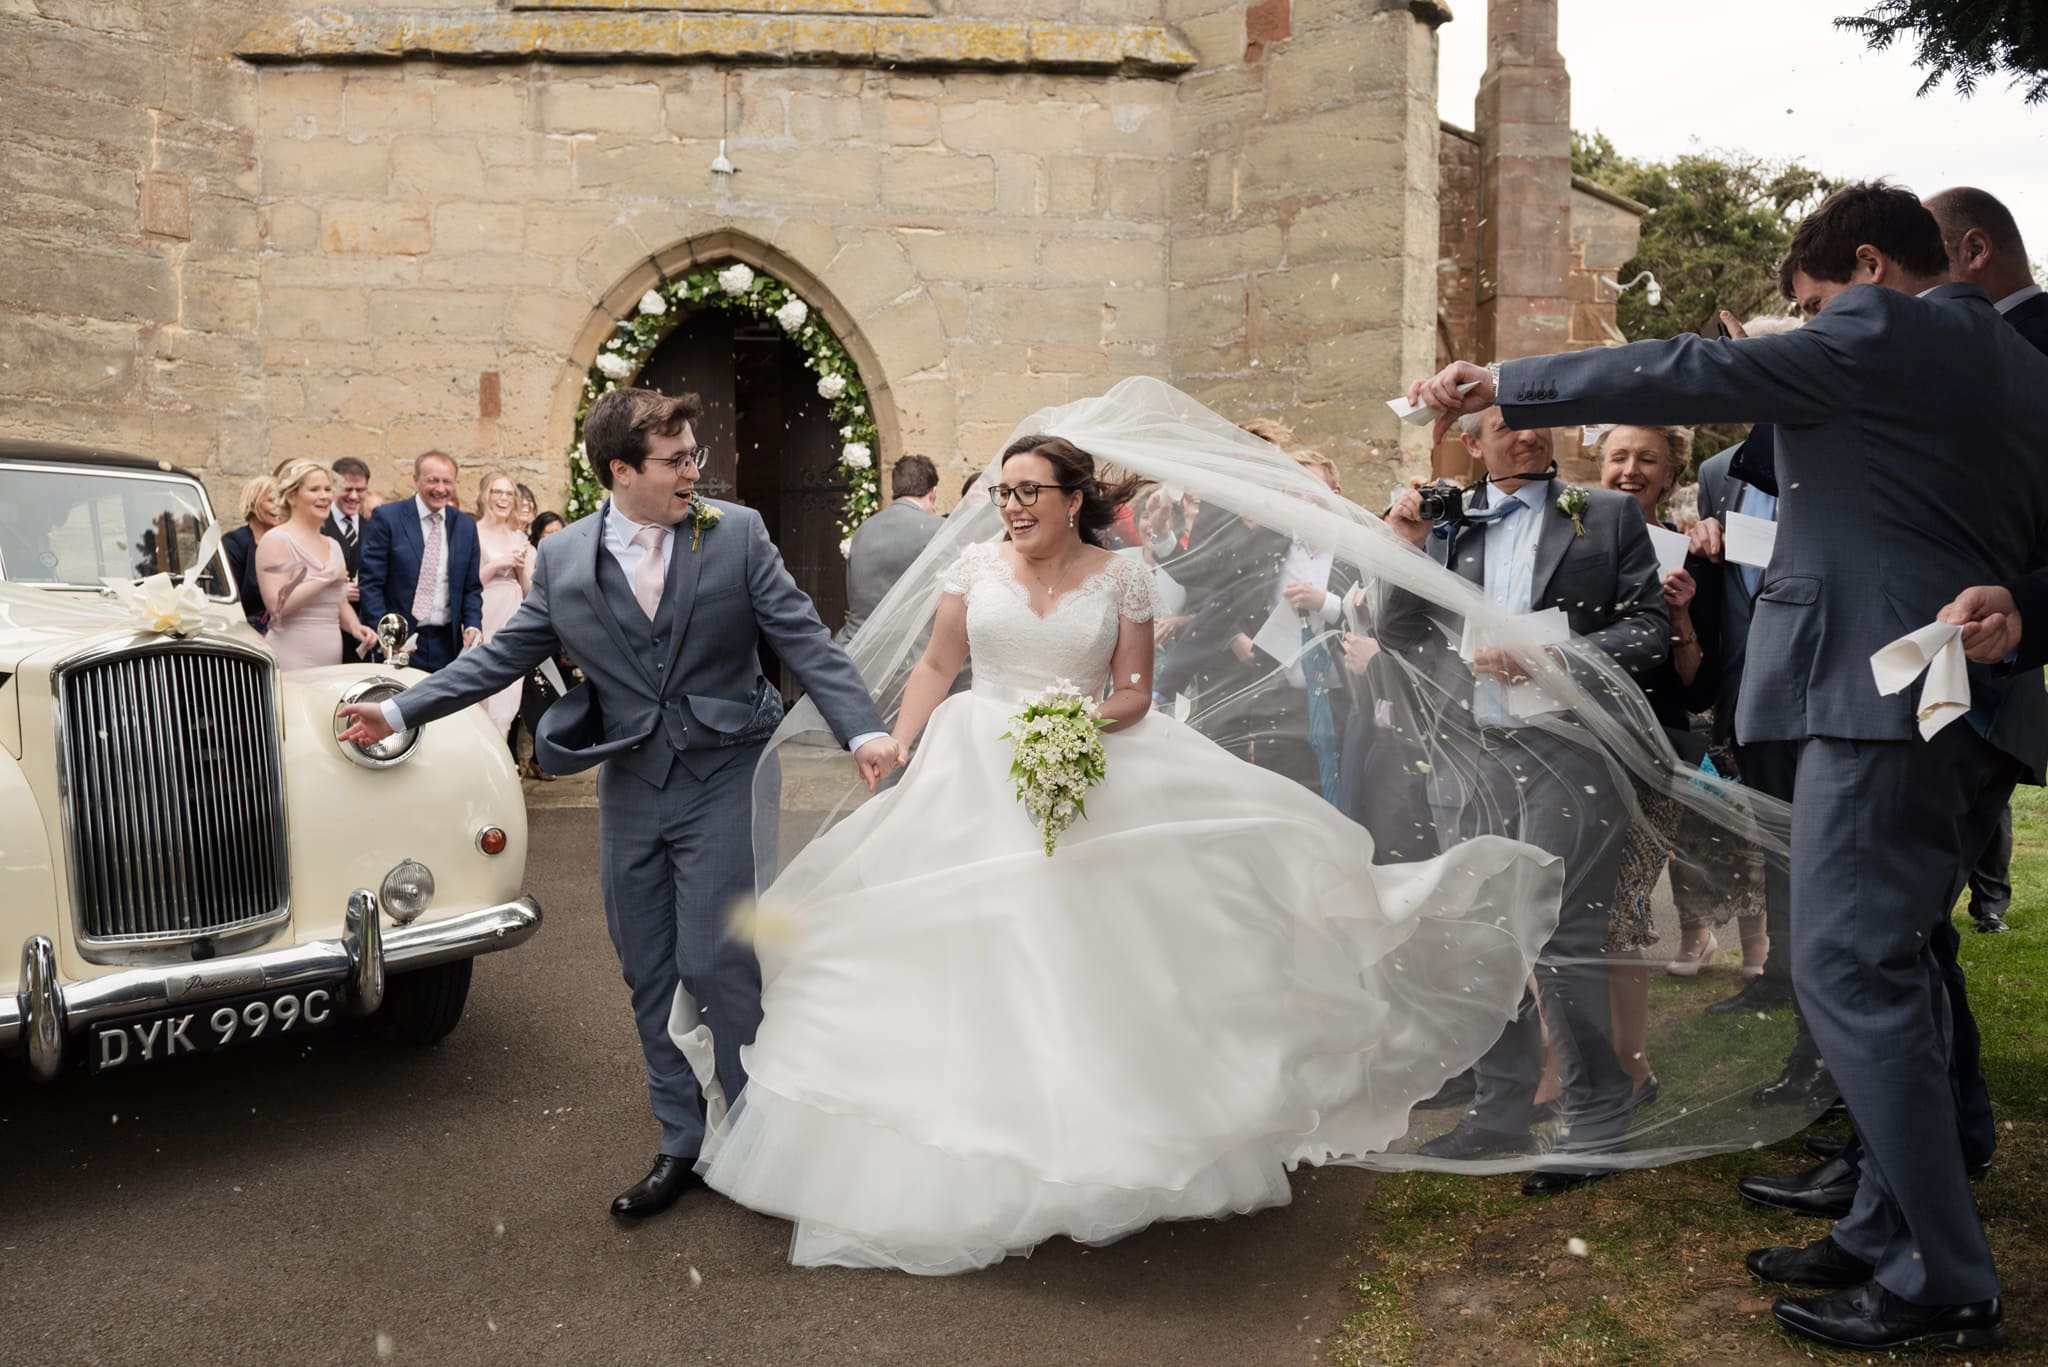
(189, 860)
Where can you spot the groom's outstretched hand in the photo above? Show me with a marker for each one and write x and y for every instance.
(878, 759)
(368, 727)
(1441, 392)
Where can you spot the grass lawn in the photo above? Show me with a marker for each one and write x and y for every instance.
(1464, 1270)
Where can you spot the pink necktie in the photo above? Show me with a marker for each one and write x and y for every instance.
(430, 571)
(647, 578)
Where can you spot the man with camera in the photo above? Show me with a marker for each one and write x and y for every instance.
(1529, 542)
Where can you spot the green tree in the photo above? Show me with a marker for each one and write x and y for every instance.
(1718, 222)
(1966, 39)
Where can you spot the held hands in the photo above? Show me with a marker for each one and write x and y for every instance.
(1990, 621)
(368, 719)
(1440, 391)
(878, 759)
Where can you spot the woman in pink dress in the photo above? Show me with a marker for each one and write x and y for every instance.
(303, 574)
(506, 571)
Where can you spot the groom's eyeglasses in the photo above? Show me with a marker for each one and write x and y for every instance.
(693, 459)
(1025, 494)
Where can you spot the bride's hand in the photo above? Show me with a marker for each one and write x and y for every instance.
(878, 759)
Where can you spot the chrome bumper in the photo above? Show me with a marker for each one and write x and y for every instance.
(44, 1014)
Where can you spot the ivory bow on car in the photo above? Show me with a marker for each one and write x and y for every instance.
(168, 604)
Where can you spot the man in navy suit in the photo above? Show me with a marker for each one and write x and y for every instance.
(420, 560)
(1984, 248)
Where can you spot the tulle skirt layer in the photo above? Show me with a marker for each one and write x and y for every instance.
(969, 1047)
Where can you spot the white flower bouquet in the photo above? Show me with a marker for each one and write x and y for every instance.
(1057, 758)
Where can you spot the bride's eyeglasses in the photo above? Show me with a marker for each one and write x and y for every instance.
(1026, 493)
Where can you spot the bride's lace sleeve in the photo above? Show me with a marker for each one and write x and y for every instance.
(967, 568)
(1136, 596)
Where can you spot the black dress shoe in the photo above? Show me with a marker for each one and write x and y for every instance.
(1758, 994)
(1826, 1146)
(1871, 1318)
(1825, 1264)
(1802, 1082)
(1468, 1139)
(1990, 923)
(1551, 1181)
(1826, 1191)
(656, 1192)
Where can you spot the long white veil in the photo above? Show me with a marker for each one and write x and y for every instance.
(1376, 712)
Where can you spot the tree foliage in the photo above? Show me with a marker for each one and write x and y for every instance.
(1717, 225)
(1967, 39)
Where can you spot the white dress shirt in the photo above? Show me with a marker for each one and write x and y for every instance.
(437, 616)
(1305, 564)
(2016, 298)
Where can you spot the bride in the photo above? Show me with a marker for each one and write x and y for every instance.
(969, 1047)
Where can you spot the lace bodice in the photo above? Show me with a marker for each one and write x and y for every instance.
(1013, 648)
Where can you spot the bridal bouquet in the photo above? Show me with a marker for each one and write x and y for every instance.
(1058, 757)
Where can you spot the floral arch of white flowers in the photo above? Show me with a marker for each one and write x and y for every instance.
(738, 288)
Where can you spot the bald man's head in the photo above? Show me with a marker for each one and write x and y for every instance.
(1982, 240)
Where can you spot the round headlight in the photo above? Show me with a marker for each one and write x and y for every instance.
(407, 890)
(395, 748)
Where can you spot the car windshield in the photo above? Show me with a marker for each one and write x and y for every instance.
(72, 526)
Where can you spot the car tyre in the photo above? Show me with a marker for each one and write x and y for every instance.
(422, 1007)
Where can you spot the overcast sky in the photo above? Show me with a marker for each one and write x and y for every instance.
(1774, 77)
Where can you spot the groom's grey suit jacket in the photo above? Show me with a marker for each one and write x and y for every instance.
(685, 688)
(1909, 465)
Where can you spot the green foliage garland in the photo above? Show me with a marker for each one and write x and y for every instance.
(757, 296)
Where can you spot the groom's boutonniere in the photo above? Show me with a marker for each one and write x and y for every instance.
(1572, 503)
(703, 517)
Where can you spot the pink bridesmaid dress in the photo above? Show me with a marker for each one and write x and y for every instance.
(499, 572)
(304, 596)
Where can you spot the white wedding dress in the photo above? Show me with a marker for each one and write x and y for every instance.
(969, 1047)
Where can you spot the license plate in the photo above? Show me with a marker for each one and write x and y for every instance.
(207, 1029)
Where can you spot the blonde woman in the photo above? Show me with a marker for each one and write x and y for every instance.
(303, 574)
(506, 570)
(259, 514)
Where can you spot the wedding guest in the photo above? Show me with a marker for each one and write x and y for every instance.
(1985, 248)
(1293, 724)
(505, 569)
(303, 575)
(421, 561)
(523, 512)
(345, 524)
(884, 546)
(259, 514)
(1490, 769)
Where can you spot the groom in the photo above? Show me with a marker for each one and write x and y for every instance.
(662, 600)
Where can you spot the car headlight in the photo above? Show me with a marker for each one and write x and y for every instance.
(407, 890)
(395, 748)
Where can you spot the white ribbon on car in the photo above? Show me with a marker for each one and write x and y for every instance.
(1935, 650)
(165, 604)
(692, 1035)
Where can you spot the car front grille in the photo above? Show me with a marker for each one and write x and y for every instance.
(173, 792)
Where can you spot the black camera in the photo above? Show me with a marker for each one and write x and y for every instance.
(1441, 503)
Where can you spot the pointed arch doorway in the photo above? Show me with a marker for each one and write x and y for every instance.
(771, 441)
